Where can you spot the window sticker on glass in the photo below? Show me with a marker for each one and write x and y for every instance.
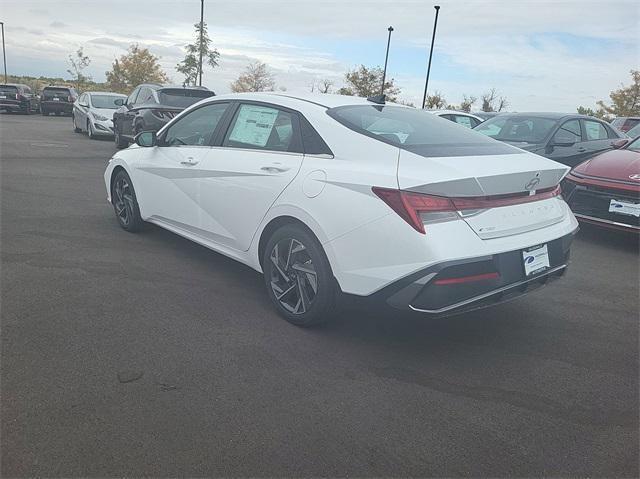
(253, 125)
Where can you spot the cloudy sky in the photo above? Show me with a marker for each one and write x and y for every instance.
(542, 55)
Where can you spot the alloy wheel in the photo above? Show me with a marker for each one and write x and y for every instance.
(294, 280)
(123, 201)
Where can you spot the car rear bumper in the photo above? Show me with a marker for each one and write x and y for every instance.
(55, 106)
(437, 290)
(13, 105)
(590, 204)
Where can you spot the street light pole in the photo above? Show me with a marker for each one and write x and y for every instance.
(201, 36)
(433, 39)
(4, 55)
(386, 58)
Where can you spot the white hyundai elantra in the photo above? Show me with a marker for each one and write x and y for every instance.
(333, 194)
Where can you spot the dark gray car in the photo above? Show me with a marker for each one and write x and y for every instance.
(149, 107)
(566, 138)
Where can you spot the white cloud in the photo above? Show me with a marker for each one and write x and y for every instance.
(525, 48)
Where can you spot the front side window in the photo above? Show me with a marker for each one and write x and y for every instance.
(132, 98)
(145, 96)
(197, 127)
(525, 129)
(595, 130)
(569, 132)
(417, 131)
(262, 127)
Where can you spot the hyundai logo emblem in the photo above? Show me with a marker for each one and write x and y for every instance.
(635, 177)
(533, 182)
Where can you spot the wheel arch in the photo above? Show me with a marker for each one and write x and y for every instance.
(114, 173)
(272, 226)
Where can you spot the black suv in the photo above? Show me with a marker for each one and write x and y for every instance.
(58, 100)
(150, 107)
(18, 97)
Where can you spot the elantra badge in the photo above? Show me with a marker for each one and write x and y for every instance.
(635, 177)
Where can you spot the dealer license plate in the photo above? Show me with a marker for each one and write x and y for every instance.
(535, 259)
(3, 97)
(56, 99)
(624, 208)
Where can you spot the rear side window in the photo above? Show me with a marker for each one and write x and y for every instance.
(311, 139)
(417, 131)
(463, 120)
(630, 123)
(264, 128)
(595, 130)
(182, 97)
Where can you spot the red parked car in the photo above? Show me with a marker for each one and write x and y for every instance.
(605, 190)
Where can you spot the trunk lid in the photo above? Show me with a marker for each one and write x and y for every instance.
(486, 176)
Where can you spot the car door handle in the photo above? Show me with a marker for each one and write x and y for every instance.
(189, 162)
(581, 150)
(274, 169)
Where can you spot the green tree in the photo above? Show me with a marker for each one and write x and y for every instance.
(626, 100)
(137, 66)
(366, 82)
(599, 113)
(189, 66)
(256, 77)
(78, 63)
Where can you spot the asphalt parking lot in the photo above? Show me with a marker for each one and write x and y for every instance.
(147, 355)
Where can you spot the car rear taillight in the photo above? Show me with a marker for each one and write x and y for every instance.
(70, 99)
(418, 208)
(410, 206)
(17, 96)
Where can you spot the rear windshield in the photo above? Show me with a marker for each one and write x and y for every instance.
(55, 92)
(525, 129)
(417, 131)
(8, 89)
(106, 101)
(182, 97)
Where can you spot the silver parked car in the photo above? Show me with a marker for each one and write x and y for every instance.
(93, 112)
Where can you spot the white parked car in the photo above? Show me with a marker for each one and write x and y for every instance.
(460, 117)
(93, 112)
(328, 194)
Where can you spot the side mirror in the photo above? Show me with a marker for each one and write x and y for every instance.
(146, 139)
(118, 102)
(617, 144)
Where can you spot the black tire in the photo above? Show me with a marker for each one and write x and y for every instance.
(301, 286)
(27, 110)
(75, 127)
(125, 203)
(118, 140)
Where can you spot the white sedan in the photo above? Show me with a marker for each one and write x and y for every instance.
(333, 194)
